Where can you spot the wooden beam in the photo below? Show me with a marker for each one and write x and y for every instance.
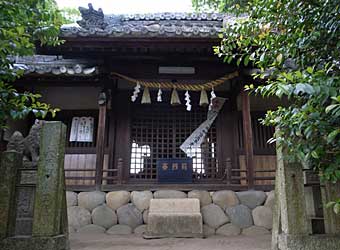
(248, 138)
(182, 187)
(100, 146)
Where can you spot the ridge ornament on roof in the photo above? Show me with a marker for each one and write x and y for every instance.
(95, 24)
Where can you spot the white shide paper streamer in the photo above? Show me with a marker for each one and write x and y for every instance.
(196, 138)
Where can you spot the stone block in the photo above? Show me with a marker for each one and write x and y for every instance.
(119, 230)
(140, 230)
(141, 199)
(59, 242)
(270, 200)
(91, 229)
(104, 216)
(71, 230)
(116, 199)
(308, 242)
(330, 192)
(145, 216)
(129, 215)
(169, 194)
(228, 230)
(174, 218)
(91, 200)
(214, 216)
(208, 231)
(263, 217)
(71, 199)
(252, 198)
(225, 198)
(255, 230)
(78, 217)
(203, 196)
(10, 161)
(240, 216)
(174, 206)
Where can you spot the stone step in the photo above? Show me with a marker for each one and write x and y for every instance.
(174, 218)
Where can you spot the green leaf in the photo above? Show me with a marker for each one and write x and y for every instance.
(262, 57)
(252, 56)
(331, 107)
(279, 58)
(238, 62)
(246, 60)
(336, 208)
(310, 70)
(330, 204)
(315, 154)
(331, 136)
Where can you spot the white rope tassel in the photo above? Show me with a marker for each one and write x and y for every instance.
(212, 96)
(135, 92)
(159, 95)
(187, 100)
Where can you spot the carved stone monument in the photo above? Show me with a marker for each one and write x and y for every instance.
(33, 211)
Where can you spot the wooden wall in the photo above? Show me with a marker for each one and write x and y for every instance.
(84, 166)
(264, 167)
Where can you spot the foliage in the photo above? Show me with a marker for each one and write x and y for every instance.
(70, 15)
(335, 205)
(296, 46)
(218, 5)
(22, 23)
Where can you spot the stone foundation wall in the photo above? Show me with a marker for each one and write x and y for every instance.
(224, 212)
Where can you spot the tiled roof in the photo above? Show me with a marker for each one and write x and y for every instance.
(95, 23)
(55, 65)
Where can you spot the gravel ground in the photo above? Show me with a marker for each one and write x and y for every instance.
(86, 241)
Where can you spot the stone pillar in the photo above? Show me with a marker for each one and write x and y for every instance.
(10, 162)
(330, 192)
(276, 230)
(290, 217)
(292, 198)
(49, 194)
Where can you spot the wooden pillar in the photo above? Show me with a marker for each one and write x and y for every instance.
(248, 138)
(100, 146)
(123, 136)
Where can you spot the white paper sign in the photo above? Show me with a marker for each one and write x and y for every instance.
(74, 129)
(196, 138)
(89, 129)
(82, 129)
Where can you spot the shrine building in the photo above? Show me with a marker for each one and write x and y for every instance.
(133, 88)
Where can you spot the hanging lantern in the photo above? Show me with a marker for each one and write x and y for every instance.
(175, 98)
(187, 101)
(204, 98)
(146, 96)
(159, 95)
